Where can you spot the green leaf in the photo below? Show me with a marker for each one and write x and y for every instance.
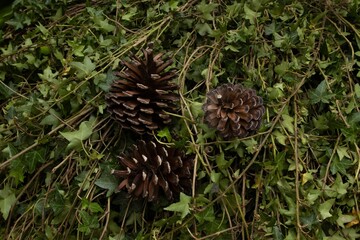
(206, 9)
(320, 94)
(92, 206)
(131, 12)
(357, 90)
(277, 233)
(324, 208)
(203, 29)
(354, 118)
(221, 163)
(291, 207)
(288, 123)
(281, 138)
(88, 222)
(182, 206)
(7, 200)
(207, 215)
(95, 207)
(165, 133)
(231, 48)
(339, 187)
(57, 202)
(340, 166)
(32, 158)
(75, 137)
(309, 220)
(342, 152)
(107, 181)
(42, 29)
(250, 14)
(196, 109)
(105, 25)
(49, 76)
(215, 177)
(51, 119)
(282, 68)
(17, 170)
(84, 68)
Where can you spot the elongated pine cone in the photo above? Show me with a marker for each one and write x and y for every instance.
(233, 110)
(153, 169)
(143, 94)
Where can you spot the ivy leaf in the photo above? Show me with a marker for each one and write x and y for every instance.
(340, 166)
(354, 118)
(84, 68)
(325, 208)
(17, 170)
(7, 200)
(206, 9)
(339, 187)
(250, 14)
(277, 233)
(357, 90)
(32, 158)
(105, 25)
(345, 219)
(342, 152)
(281, 138)
(221, 163)
(288, 123)
(75, 137)
(320, 94)
(182, 206)
(131, 12)
(51, 119)
(165, 133)
(309, 220)
(95, 207)
(203, 29)
(206, 215)
(49, 76)
(105, 83)
(107, 181)
(88, 222)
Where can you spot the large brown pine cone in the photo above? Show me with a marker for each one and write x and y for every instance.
(233, 110)
(153, 169)
(143, 94)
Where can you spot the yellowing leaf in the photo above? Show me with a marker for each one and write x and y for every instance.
(306, 177)
(356, 220)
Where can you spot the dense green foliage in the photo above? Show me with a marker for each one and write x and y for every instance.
(297, 178)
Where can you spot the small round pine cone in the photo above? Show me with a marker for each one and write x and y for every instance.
(233, 110)
(153, 169)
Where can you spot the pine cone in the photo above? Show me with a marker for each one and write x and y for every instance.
(152, 168)
(142, 95)
(233, 110)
